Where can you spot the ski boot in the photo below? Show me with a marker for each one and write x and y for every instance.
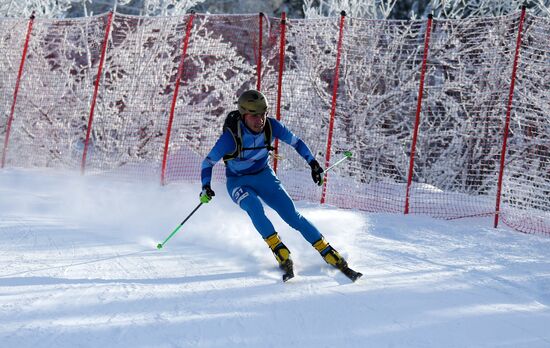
(333, 258)
(282, 254)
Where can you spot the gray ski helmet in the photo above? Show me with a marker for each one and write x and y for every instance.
(252, 102)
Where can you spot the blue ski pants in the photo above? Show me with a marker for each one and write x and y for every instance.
(247, 190)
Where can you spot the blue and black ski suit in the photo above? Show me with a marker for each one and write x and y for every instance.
(249, 178)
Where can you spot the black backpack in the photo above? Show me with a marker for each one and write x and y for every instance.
(232, 124)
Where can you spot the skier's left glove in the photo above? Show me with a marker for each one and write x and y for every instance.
(317, 173)
(206, 194)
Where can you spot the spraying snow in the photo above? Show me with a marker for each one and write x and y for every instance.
(79, 267)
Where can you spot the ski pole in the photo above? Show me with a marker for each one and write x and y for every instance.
(347, 154)
(160, 245)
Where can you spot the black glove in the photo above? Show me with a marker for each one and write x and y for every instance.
(206, 194)
(317, 172)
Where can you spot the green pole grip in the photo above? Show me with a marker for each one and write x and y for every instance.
(347, 154)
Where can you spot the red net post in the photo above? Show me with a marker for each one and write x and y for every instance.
(280, 83)
(53, 101)
(507, 122)
(221, 63)
(333, 103)
(15, 92)
(378, 95)
(311, 47)
(526, 181)
(96, 89)
(460, 133)
(133, 106)
(259, 58)
(418, 110)
(175, 96)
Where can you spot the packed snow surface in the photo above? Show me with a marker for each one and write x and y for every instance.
(79, 268)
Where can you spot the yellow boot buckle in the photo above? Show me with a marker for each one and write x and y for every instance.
(273, 240)
(320, 245)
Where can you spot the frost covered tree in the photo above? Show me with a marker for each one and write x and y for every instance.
(54, 96)
(41, 8)
(457, 9)
(373, 9)
(220, 65)
(467, 82)
(465, 93)
(84, 8)
(450, 9)
(139, 83)
(159, 7)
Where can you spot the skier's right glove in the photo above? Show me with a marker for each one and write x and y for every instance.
(206, 194)
(317, 172)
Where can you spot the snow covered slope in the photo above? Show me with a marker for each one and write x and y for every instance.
(79, 268)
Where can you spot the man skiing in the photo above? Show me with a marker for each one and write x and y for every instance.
(245, 145)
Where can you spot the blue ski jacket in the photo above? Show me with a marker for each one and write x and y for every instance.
(250, 161)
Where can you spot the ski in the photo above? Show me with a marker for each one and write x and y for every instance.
(288, 269)
(287, 276)
(351, 274)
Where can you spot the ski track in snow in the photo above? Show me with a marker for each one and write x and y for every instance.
(79, 268)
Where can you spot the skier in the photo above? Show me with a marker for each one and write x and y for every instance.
(244, 146)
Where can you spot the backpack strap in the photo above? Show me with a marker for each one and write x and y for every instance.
(233, 125)
(268, 134)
